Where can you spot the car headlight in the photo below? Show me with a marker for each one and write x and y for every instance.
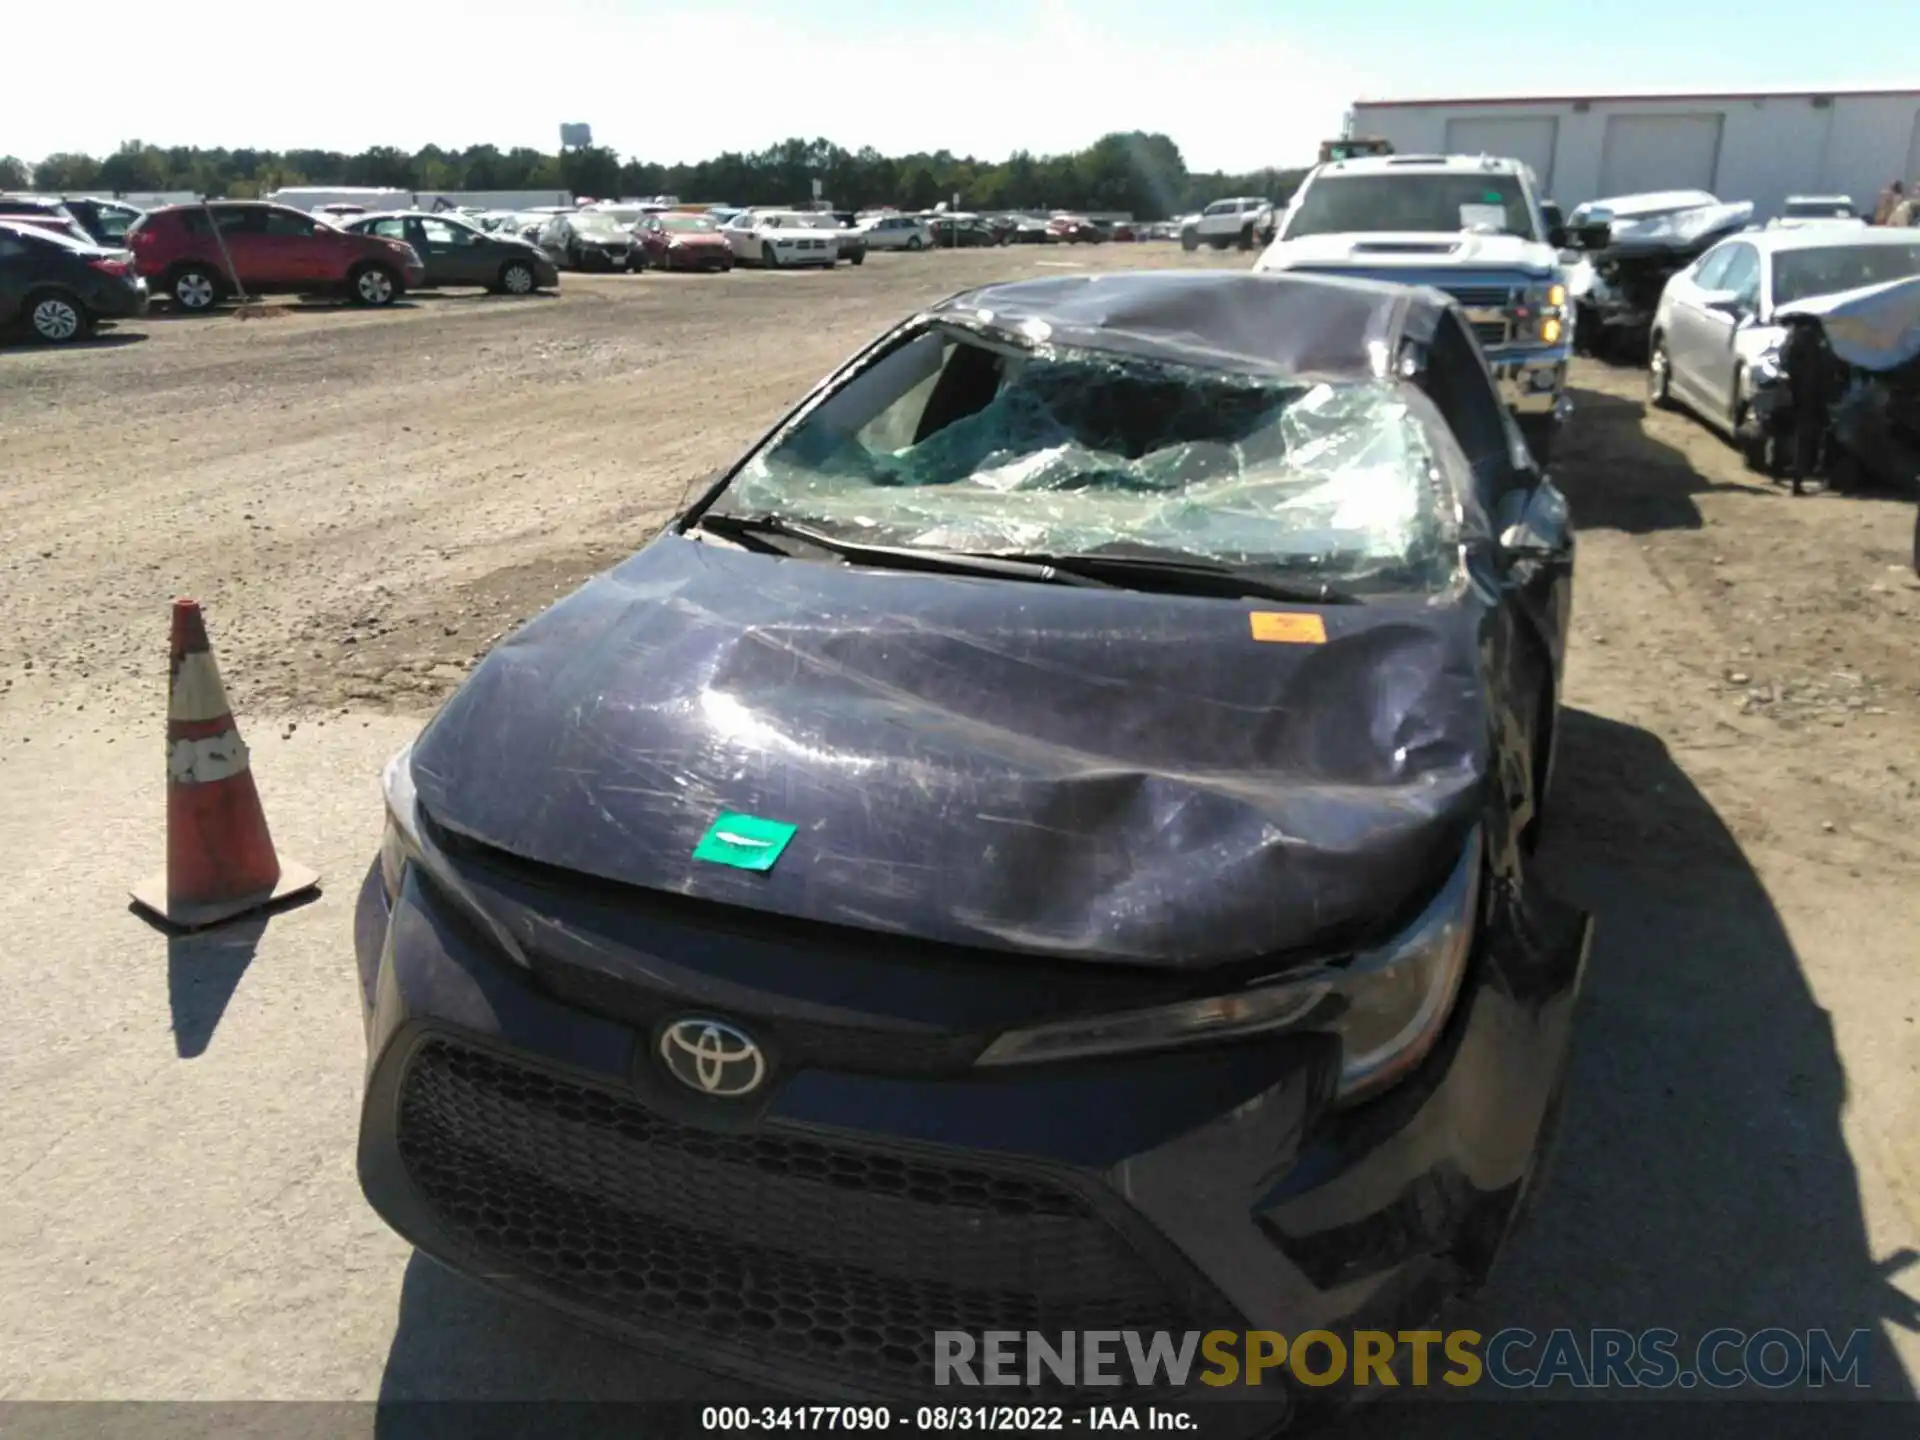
(400, 842)
(1547, 311)
(1386, 1006)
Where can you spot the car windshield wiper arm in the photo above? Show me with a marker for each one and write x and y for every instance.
(900, 557)
(1205, 576)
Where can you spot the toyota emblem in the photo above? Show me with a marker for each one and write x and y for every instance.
(712, 1057)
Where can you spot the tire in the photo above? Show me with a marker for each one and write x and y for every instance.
(57, 317)
(374, 286)
(1659, 375)
(768, 256)
(858, 257)
(1540, 432)
(517, 278)
(914, 242)
(1221, 243)
(1246, 238)
(195, 289)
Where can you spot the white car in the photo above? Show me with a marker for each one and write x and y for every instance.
(1246, 221)
(1715, 333)
(780, 238)
(896, 232)
(1804, 210)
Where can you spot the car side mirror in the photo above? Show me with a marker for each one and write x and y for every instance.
(1534, 522)
(1593, 234)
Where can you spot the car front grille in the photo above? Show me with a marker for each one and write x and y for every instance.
(1481, 297)
(1491, 332)
(817, 1254)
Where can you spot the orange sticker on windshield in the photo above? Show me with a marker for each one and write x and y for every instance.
(1288, 628)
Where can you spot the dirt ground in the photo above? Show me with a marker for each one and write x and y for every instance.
(366, 501)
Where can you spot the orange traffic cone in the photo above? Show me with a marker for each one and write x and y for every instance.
(220, 858)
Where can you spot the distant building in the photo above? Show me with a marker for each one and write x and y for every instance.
(1753, 146)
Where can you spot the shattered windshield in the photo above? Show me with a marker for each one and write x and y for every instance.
(953, 441)
(1443, 203)
(1802, 274)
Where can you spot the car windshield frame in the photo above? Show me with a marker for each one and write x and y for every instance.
(1806, 272)
(1339, 204)
(1354, 446)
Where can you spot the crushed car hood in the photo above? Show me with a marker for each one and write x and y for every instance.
(1876, 327)
(1415, 250)
(1095, 773)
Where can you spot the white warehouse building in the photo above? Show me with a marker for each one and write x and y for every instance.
(1750, 146)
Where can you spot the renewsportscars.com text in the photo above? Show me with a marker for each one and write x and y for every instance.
(1513, 1359)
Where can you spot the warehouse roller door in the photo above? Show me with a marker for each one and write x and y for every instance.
(1660, 152)
(1530, 138)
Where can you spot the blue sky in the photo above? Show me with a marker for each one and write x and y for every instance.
(1236, 83)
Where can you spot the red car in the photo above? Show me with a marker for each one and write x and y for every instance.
(272, 247)
(677, 240)
(1074, 230)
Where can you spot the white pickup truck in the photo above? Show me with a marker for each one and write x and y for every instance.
(1244, 221)
(1470, 225)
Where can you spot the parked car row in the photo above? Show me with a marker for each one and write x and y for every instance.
(59, 287)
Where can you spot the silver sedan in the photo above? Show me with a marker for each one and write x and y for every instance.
(1715, 331)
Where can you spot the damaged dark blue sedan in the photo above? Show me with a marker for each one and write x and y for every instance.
(1043, 845)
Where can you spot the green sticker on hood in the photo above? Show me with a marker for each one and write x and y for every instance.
(745, 842)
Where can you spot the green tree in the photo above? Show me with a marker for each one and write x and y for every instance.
(14, 174)
(1138, 172)
(59, 173)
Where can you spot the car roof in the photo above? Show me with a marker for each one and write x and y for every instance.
(51, 203)
(40, 232)
(1819, 200)
(1251, 322)
(1816, 237)
(1422, 165)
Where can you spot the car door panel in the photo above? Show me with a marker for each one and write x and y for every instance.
(1722, 362)
(1689, 334)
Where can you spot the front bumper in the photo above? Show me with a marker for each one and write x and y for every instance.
(817, 1237)
(1533, 381)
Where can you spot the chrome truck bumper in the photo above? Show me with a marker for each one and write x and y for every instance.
(1533, 382)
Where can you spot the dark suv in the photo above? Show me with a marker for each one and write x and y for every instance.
(455, 253)
(271, 248)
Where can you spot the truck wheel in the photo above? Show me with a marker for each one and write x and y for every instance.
(1246, 238)
(1539, 433)
(1219, 242)
(1189, 241)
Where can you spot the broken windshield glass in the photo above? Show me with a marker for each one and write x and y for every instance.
(965, 443)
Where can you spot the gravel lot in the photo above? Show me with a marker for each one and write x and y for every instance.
(365, 501)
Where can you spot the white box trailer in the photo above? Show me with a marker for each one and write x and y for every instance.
(1748, 146)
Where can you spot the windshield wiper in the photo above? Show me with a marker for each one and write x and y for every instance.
(1197, 575)
(1182, 574)
(761, 529)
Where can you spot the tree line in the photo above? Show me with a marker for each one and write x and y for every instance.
(1135, 172)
